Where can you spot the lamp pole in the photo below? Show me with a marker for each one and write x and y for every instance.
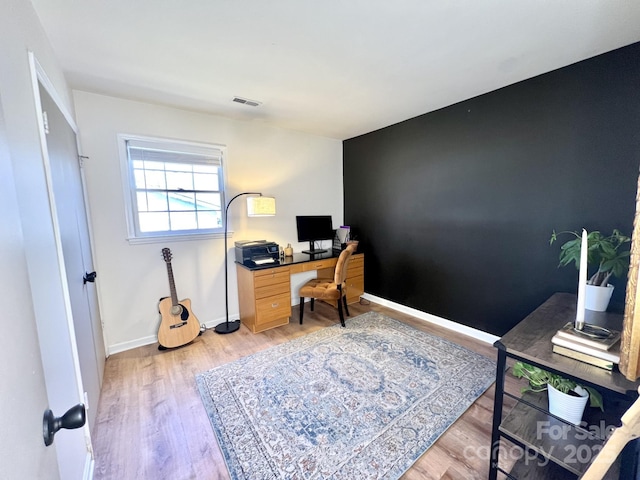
(227, 326)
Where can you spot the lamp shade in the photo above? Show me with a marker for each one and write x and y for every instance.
(261, 206)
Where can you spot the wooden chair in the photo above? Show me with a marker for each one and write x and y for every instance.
(329, 289)
(629, 430)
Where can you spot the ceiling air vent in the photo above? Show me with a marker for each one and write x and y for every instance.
(245, 101)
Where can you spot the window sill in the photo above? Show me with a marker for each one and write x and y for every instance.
(175, 238)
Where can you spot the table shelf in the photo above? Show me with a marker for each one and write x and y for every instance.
(552, 448)
(570, 447)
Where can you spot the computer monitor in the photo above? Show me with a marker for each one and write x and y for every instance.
(313, 228)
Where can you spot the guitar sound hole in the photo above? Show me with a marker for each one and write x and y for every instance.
(180, 310)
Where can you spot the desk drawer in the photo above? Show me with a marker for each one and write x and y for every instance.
(355, 289)
(357, 259)
(271, 277)
(270, 271)
(356, 266)
(319, 264)
(274, 289)
(355, 286)
(273, 308)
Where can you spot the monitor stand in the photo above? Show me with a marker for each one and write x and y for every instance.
(312, 250)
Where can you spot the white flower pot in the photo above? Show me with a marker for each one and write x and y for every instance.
(597, 297)
(568, 407)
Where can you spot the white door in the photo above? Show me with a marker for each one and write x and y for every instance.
(23, 396)
(53, 313)
(68, 197)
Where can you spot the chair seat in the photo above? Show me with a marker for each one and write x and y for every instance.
(321, 289)
(329, 289)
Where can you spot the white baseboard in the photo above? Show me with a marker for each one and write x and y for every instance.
(89, 466)
(141, 342)
(138, 342)
(427, 317)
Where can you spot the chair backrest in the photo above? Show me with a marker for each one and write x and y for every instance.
(340, 274)
(622, 435)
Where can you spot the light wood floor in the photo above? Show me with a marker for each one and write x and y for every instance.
(151, 423)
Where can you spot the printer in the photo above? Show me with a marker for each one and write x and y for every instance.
(257, 253)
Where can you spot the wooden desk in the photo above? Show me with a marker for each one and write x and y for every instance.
(264, 293)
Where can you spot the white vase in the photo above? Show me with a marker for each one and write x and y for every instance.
(568, 407)
(597, 297)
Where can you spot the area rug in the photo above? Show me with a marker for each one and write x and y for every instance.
(359, 402)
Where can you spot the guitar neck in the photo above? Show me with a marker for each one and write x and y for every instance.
(172, 285)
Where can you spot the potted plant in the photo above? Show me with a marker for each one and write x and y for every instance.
(608, 253)
(567, 399)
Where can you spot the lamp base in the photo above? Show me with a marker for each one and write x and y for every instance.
(227, 327)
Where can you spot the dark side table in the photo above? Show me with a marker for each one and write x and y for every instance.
(552, 448)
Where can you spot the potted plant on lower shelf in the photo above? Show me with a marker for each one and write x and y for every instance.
(609, 253)
(567, 399)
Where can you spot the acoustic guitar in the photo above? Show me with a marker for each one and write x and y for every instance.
(179, 325)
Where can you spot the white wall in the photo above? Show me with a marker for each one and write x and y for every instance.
(29, 276)
(302, 171)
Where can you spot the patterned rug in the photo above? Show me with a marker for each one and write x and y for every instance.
(359, 402)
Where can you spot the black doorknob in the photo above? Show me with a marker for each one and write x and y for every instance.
(89, 277)
(73, 418)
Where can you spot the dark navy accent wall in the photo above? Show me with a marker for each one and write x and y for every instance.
(454, 208)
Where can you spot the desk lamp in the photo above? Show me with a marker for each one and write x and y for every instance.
(256, 207)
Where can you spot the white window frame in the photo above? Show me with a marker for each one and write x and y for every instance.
(134, 235)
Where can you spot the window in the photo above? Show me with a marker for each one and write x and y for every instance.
(174, 188)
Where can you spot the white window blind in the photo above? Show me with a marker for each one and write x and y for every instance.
(175, 188)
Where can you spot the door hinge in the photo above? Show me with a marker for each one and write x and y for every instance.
(45, 122)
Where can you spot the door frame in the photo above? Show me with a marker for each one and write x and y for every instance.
(39, 76)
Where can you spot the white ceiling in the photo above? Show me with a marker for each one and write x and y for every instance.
(336, 68)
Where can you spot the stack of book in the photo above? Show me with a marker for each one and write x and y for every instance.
(600, 352)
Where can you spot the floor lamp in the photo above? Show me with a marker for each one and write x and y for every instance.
(256, 207)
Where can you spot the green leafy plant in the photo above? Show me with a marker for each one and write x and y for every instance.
(539, 379)
(606, 252)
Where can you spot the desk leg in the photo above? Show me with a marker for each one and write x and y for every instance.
(497, 413)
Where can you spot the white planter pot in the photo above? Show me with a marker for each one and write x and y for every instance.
(568, 407)
(597, 298)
